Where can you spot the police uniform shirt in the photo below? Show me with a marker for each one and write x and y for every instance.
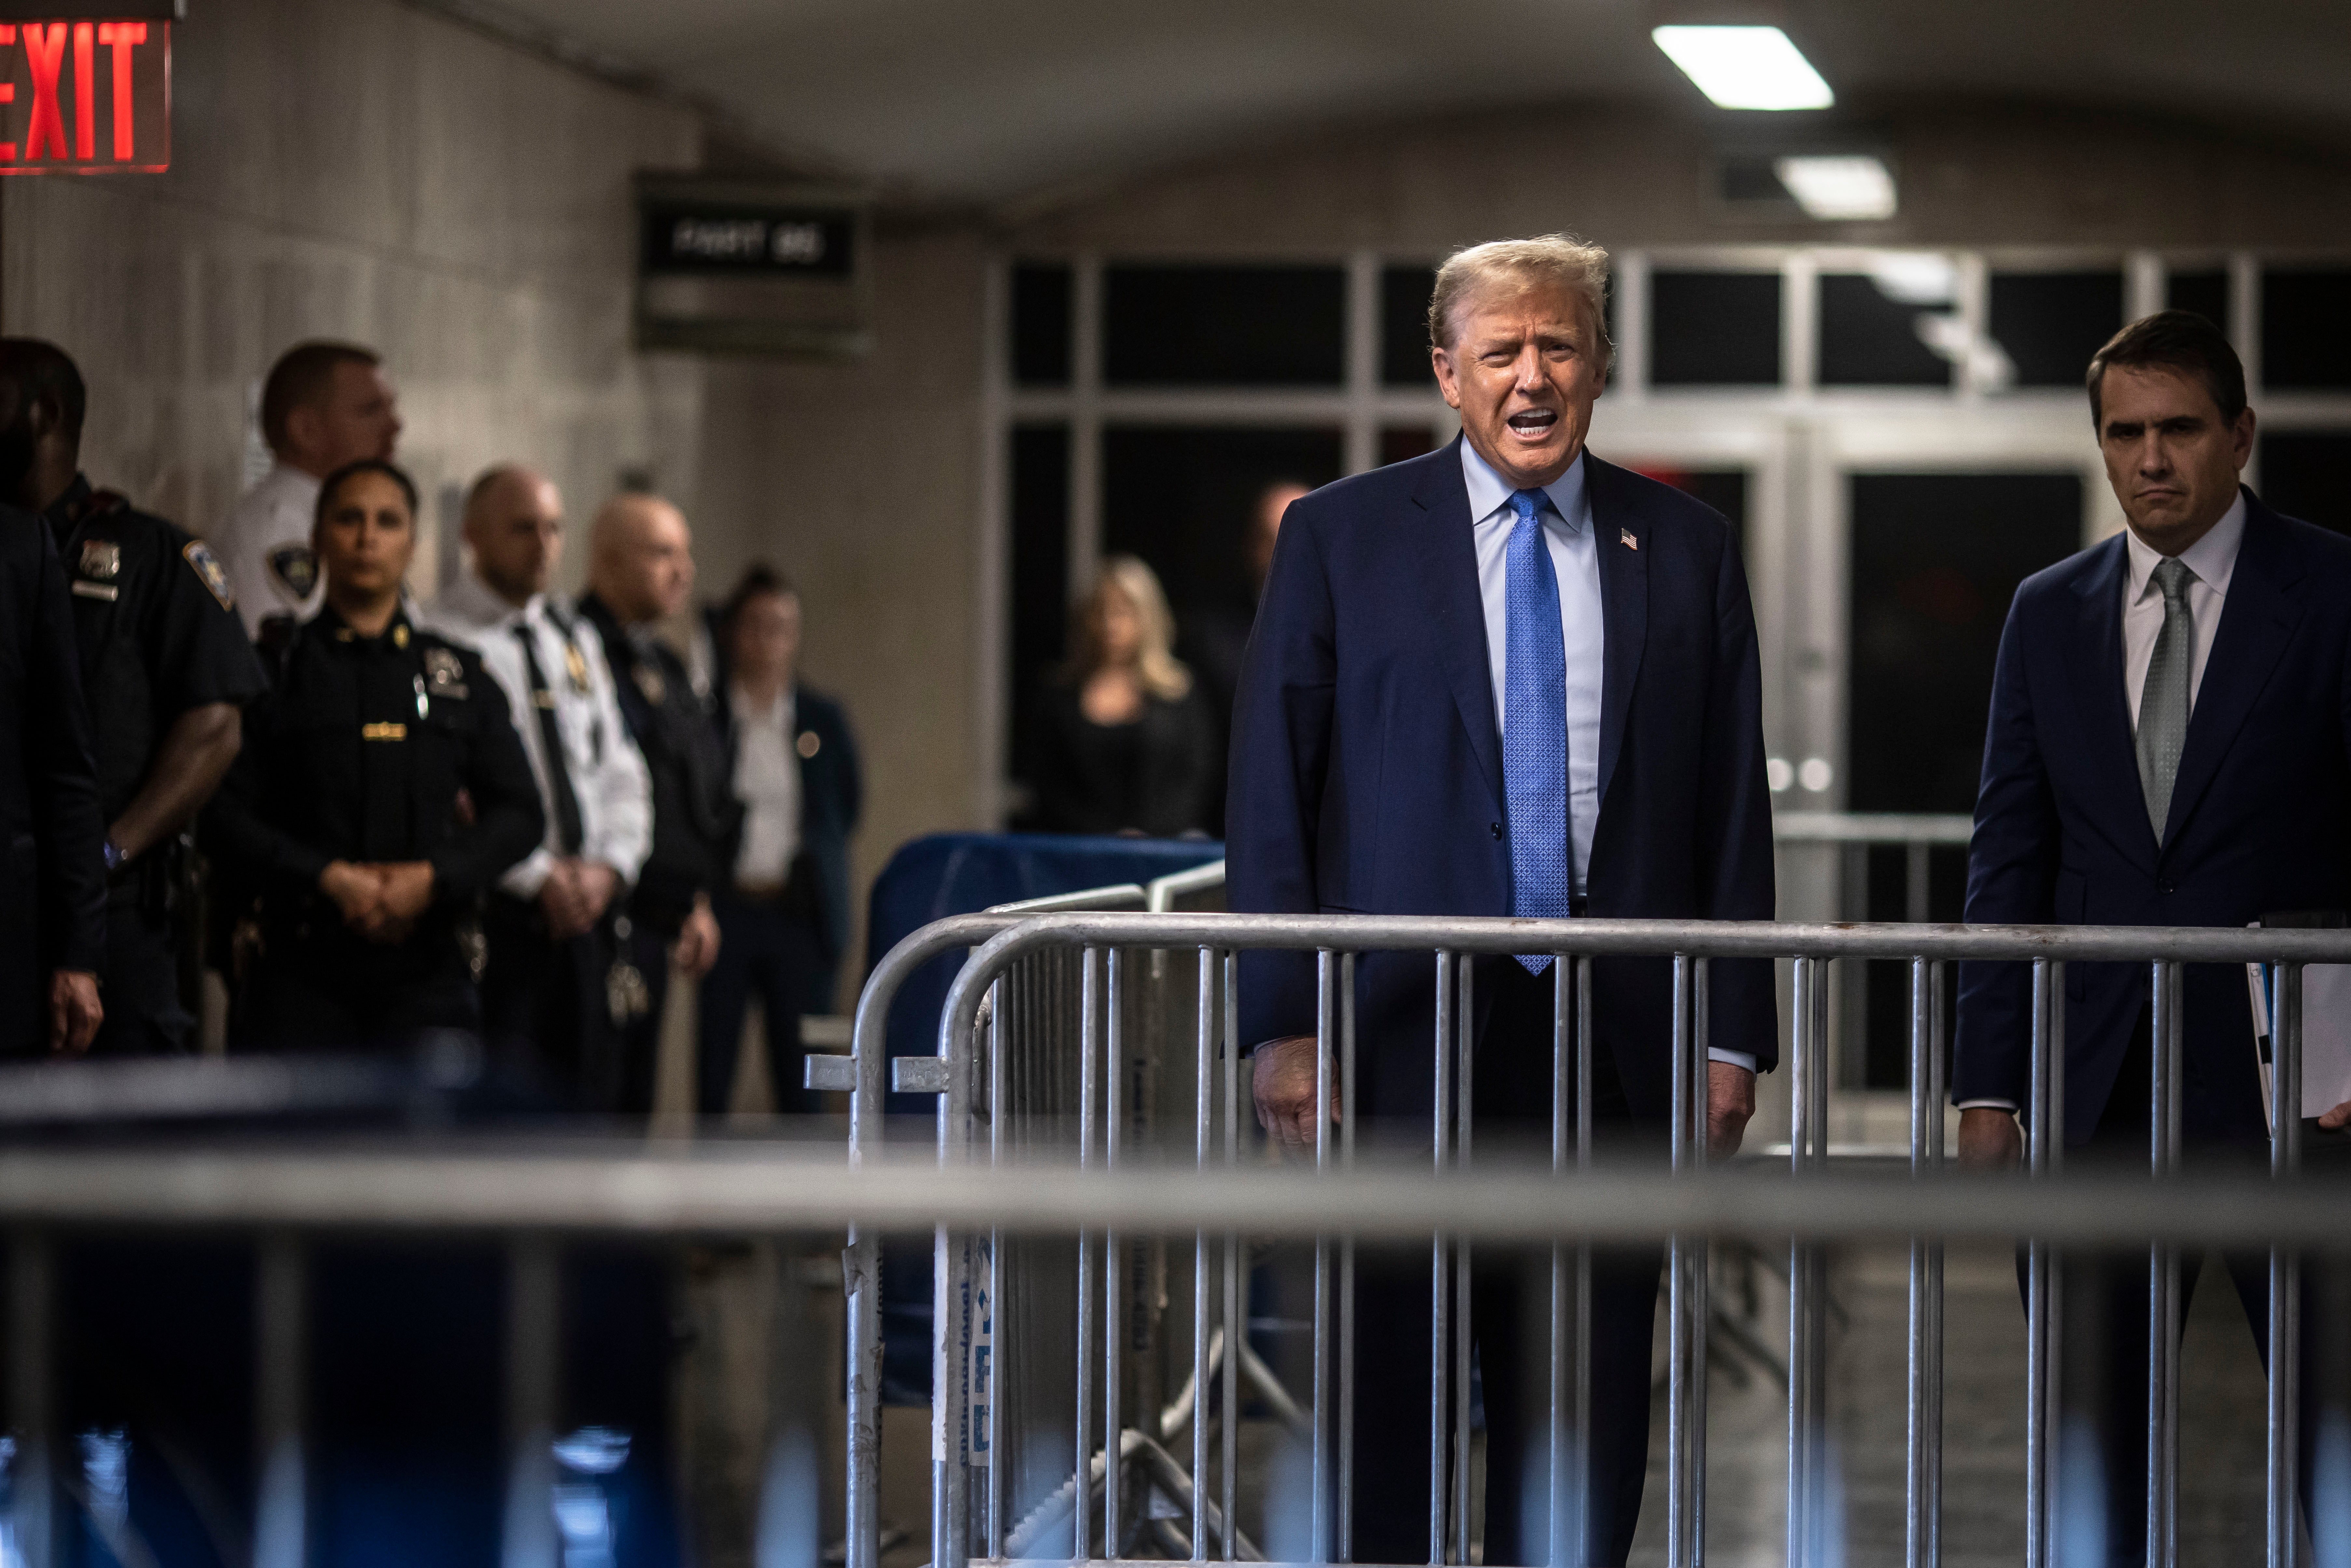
(156, 626)
(685, 756)
(264, 544)
(607, 775)
(359, 754)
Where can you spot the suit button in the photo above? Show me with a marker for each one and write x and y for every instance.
(2166, 886)
(1497, 828)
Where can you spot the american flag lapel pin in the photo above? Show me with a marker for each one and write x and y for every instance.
(1625, 537)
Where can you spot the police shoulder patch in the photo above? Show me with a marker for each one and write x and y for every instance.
(294, 572)
(208, 572)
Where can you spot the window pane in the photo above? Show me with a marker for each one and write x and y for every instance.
(1398, 442)
(2050, 323)
(1714, 329)
(1223, 326)
(1040, 588)
(1724, 489)
(2205, 292)
(2302, 476)
(1403, 326)
(1041, 326)
(1869, 338)
(2306, 328)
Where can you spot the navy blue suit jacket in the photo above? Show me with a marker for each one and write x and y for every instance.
(1367, 776)
(2260, 818)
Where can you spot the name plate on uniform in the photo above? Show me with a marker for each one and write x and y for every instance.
(86, 88)
(749, 266)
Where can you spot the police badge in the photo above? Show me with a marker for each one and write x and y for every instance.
(294, 572)
(102, 559)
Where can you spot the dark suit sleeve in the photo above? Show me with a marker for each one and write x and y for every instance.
(1735, 820)
(507, 821)
(1280, 759)
(2011, 878)
(61, 766)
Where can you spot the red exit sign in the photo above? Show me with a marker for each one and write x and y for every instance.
(85, 93)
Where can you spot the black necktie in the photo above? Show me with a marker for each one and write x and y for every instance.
(551, 736)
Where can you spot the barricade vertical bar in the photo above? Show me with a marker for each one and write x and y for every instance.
(1562, 1001)
(1465, 1057)
(533, 1356)
(1438, 1303)
(1586, 1044)
(1677, 1290)
(2163, 1279)
(281, 1401)
(1325, 1053)
(2285, 1272)
(1236, 1327)
(1805, 1064)
(1701, 1303)
(1204, 1132)
(1938, 1038)
(1114, 1266)
(32, 1398)
(2046, 1141)
(1000, 1334)
(1089, 1031)
(1924, 1361)
(1345, 1491)
(952, 1323)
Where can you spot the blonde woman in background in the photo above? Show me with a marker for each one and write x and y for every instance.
(1123, 743)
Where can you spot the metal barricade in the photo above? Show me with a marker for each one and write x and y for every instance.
(970, 1075)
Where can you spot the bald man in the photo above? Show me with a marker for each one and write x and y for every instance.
(550, 926)
(640, 571)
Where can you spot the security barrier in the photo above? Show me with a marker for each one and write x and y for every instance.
(979, 1127)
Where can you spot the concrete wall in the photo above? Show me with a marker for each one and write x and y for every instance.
(358, 169)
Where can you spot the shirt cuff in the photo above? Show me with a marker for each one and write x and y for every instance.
(1745, 1059)
(528, 874)
(2007, 1105)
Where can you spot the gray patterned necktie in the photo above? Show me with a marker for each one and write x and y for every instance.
(2163, 702)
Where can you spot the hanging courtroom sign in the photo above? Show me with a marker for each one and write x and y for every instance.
(86, 88)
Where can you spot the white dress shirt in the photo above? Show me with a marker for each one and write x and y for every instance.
(767, 782)
(608, 775)
(2210, 562)
(1568, 531)
(275, 514)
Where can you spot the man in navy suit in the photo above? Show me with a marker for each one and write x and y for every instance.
(2169, 745)
(1505, 678)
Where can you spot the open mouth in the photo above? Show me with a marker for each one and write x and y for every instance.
(1533, 425)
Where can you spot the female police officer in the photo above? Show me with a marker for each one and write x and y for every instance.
(380, 792)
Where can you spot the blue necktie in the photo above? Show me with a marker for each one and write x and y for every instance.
(1534, 726)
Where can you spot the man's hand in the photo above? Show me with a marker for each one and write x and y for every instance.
(1284, 1083)
(594, 885)
(1729, 1103)
(1990, 1139)
(697, 942)
(357, 890)
(75, 1011)
(560, 901)
(2335, 1121)
(407, 891)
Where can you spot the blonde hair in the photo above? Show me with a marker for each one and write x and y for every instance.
(1563, 259)
(1162, 674)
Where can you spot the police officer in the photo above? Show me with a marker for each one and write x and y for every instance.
(165, 669)
(381, 791)
(639, 570)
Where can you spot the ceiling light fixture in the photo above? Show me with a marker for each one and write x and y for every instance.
(1745, 68)
(1848, 187)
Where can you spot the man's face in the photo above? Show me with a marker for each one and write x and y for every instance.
(516, 533)
(1523, 368)
(656, 565)
(358, 418)
(2172, 462)
(767, 638)
(366, 537)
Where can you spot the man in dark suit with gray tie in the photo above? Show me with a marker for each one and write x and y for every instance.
(1505, 678)
(2169, 745)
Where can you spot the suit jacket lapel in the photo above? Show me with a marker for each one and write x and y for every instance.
(1620, 537)
(2101, 705)
(1448, 577)
(2257, 621)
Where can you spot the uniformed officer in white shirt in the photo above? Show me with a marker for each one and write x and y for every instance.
(557, 980)
(324, 405)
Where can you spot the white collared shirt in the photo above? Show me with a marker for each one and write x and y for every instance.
(1575, 560)
(274, 515)
(2210, 562)
(608, 775)
(767, 782)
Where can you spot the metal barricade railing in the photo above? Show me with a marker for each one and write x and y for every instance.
(969, 1074)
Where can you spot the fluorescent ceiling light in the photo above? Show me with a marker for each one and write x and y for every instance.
(1914, 278)
(1745, 68)
(1850, 186)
